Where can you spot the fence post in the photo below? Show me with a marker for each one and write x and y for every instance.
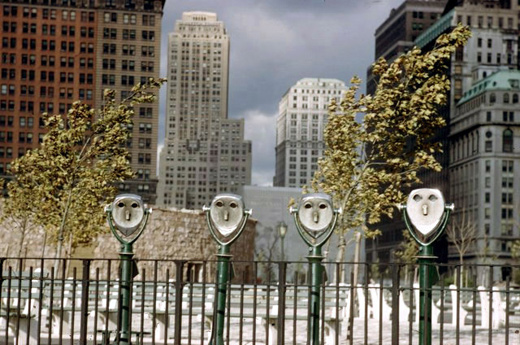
(282, 269)
(395, 303)
(316, 280)
(126, 256)
(425, 284)
(85, 280)
(179, 266)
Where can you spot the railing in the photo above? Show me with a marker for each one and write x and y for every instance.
(172, 302)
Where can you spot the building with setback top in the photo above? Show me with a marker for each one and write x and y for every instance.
(204, 151)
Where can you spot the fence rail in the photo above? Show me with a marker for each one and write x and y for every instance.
(172, 302)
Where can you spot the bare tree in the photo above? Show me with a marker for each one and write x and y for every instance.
(266, 251)
(462, 234)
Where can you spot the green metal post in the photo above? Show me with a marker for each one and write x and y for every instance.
(126, 255)
(426, 259)
(222, 284)
(316, 280)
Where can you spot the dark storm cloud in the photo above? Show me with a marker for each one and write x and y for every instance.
(274, 43)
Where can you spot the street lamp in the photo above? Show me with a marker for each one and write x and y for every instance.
(282, 230)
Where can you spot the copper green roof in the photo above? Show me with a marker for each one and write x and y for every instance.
(434, 31)
(506, 80)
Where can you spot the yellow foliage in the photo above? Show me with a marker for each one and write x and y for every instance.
(367, 165)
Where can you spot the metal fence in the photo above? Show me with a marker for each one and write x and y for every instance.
(44, 301)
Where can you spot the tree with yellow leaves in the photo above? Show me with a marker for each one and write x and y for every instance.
(367, 164)
(63, 184)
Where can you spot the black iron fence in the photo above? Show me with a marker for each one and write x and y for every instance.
(44, 301)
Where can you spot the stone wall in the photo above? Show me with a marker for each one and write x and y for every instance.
(169, 235)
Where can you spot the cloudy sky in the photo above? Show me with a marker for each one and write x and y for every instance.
(274, 43)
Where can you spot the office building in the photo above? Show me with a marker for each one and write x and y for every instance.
(302, 116)
(204, 151)
(56, 53)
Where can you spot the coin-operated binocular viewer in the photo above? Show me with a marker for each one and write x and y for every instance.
(426, 215)
(127, 216)
(226, 218)
(315, 218)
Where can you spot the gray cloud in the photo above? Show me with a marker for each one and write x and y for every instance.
(274, 43)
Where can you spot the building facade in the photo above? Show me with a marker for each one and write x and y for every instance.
(302, 116)
(56, 53)
(485, 166)
(204, 151)
(396, 35)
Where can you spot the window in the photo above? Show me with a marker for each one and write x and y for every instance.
(507, 198)
(507, 182)
(488, 146)
(507, 213)
(109, 48)
(148, 35)
(507, 166)
(507, 140)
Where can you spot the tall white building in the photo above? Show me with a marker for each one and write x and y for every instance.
(204, 152)
(300, 124)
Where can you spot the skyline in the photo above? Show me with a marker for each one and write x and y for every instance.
(268, 55)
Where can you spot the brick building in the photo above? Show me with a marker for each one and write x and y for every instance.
(54, 53)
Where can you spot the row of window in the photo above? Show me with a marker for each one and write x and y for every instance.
(22, 121)
(469, 146)
(127, 18)
(23, 137)
(45, 60)
(505, 98)
(44, 92)
(490, 21)
(510, 59)
(46, 29)
(46, 13)
(50, 45)
(85, 16)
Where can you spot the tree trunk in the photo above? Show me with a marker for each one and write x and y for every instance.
(357, 255)
(339, 259)
(44, 243)
(60, 233)
(22, 239)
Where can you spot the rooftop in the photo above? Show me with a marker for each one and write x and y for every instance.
(506, 80)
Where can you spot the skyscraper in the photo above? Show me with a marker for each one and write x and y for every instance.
(204, 152)
(302, 117)
(55, 53)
